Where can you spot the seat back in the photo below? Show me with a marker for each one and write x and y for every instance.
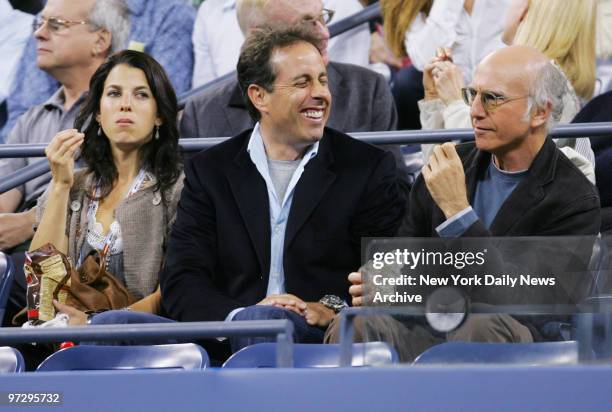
(98, 357)
(6, 281)
(305, 355)
(541, 353)
(11, 360)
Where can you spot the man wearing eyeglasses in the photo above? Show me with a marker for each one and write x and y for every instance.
(513, 181)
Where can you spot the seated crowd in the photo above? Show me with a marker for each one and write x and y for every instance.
(269, 223)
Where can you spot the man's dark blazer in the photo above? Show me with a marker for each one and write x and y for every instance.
(218, 255)
(362, 102)
(554, 199)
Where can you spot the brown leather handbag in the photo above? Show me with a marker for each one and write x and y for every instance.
(88, 288)
(92, 288)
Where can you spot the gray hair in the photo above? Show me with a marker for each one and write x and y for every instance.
(548, 86)
(114, 16)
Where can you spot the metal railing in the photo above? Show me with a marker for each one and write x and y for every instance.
(41, 167)
(369, 13)
(282, 329)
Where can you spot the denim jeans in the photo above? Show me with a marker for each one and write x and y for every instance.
(302, 332)
(123, 317)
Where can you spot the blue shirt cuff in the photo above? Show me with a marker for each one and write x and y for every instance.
(458, 224)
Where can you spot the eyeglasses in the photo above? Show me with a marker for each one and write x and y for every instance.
(324, 18)
(55, 24)
(489, 100)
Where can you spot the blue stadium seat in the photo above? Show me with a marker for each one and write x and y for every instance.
(10, 360)
(263, 355)
(6, 280)
(541, 353)
(98, 357)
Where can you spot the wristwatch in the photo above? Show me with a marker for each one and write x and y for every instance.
(333, 302)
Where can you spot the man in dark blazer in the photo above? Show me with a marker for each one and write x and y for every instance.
(270, 221)
(512, 182)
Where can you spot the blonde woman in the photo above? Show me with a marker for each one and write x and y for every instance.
(564, 30)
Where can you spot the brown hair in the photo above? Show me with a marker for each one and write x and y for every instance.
(398, 16)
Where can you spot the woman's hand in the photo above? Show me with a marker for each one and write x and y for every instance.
(448, 81)
(61, 153)
(75, 316)
(429, 85)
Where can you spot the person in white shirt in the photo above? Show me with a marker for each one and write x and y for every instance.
(217, 38)
(15, 30)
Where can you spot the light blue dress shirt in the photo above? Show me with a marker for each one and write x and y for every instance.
(279, 210)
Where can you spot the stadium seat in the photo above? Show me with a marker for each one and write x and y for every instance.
(6, 280)
(98, 357)
(263, 355)
(540, 353)
(10, 360)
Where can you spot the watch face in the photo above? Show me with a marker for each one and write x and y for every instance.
(446, 309)
(333, 302)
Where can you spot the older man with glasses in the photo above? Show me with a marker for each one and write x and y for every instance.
(513, 181)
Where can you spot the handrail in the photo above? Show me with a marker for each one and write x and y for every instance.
(41, 167)
(369, 13)
(281, 328)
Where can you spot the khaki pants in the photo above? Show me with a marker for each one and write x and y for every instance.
(411, 341)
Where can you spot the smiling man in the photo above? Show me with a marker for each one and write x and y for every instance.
(270, 220)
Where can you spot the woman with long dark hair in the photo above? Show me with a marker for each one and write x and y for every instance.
(124, 201)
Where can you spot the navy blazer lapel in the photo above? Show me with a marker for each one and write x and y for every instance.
(251, 195)
(529, 192)
(314, 182)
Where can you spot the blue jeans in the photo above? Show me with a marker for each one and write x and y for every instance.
(302, 332)
(123, 317)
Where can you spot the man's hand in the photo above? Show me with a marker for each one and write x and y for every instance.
(445, 180)
(356, 290)
(318, 314)
(16, 228)
(75, 316)
(286, 301)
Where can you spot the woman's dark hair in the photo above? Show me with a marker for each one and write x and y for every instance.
(158, 156)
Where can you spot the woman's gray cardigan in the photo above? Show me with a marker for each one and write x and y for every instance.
(145, 221)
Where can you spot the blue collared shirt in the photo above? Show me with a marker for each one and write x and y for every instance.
(279, 209)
